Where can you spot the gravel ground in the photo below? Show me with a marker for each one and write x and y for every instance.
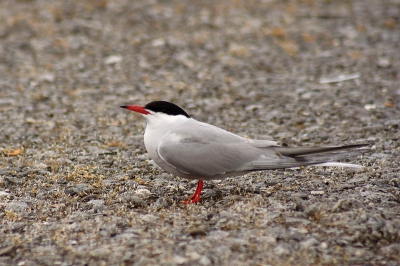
(78, 188)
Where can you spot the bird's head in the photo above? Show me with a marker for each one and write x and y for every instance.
(159, 111)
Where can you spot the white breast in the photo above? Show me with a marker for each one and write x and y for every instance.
(158, 126)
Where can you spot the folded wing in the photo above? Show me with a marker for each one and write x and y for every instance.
(210, 151)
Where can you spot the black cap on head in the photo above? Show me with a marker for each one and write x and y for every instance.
(166, 108)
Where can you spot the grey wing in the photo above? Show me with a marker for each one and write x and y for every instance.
(207, 151)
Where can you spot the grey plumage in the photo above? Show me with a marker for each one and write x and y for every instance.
(213, 153)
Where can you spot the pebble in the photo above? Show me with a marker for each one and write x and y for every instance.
(98, 205)
(384, 62)
(308, 243)
(317, 192)
(149, 218)
(78, 189)
(204, 260)
(143, 193)
(18, 207)
(3, 193)
(282, 250)
(112, 59)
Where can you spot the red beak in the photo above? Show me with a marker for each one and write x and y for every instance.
(136, 108)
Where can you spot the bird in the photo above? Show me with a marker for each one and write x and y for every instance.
(195, 150)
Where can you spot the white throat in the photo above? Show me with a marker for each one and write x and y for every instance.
(159, 124)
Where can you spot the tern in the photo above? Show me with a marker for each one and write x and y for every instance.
(192, 149)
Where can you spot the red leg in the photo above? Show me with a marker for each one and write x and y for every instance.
(196, 196)
(198, 190)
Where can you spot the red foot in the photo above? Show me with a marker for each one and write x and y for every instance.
(196, 196)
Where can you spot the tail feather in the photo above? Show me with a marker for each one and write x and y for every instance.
(337, 164)
(304, 151)
(319, 156)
